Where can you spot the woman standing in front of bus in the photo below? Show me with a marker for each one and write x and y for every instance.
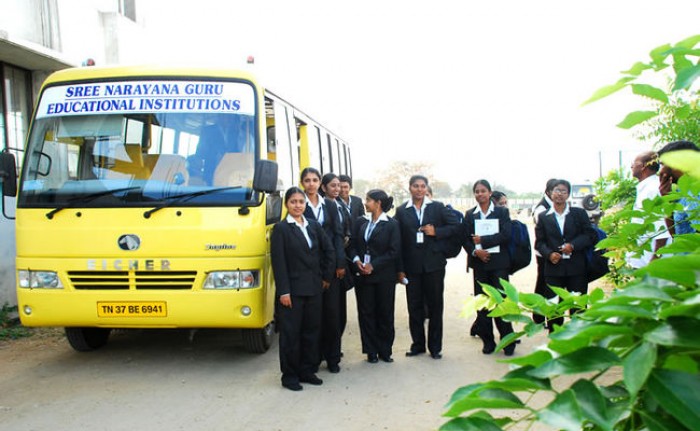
(325, 212)
(488, 228)
(375, 248)
(302, 261)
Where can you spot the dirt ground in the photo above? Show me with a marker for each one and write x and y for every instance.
(179, 380)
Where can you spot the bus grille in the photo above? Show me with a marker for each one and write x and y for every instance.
(139, 280)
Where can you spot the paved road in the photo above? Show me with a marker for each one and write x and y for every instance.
(169, 380)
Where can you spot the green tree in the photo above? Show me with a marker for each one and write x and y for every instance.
(633, 355)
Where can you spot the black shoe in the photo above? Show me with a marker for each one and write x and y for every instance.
(334, 368)
(311, 379)
(489, 347)
(436, 355)
(472, 330)
(509, 349)
(293, 386)
(414, 353)
(386, 358)
(372, 358)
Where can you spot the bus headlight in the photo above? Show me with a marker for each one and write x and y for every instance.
(39, 280)
(231, 280)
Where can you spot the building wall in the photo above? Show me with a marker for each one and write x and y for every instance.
(40, 37)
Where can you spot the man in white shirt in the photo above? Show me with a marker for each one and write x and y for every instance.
(644, 169)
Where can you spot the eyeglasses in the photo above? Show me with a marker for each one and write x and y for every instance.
(560, 191)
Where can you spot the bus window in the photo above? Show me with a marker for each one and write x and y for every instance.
(284, 146)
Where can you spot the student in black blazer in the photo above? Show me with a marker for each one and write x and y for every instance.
(375, 249)
(423, 223)
(325, 212)
(562, 233)
(302, 262)
(488, 256)
(353, 203)
(541, 287)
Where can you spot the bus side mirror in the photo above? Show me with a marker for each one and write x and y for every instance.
(8, 174)
(265, 178)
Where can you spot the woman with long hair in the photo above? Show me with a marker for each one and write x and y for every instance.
(375, 247)
(325, 212)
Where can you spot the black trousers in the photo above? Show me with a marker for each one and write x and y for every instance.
(330, 323)
(300, 332)
(541, 287)
(375, 311)
(426, 291)
(484, 323)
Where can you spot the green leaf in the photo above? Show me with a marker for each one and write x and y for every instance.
(485, 399)
(681, 362)
(608, 90)
(604, 311)
(579, 328)
(676, 331)
(470, 424)
(679, 394)
(689, 42)
(563, 412)
(674, 268)
(511, 291)
(493, 293)
(643, 292)
(636, 69)
(650, 91)
(580, 361)
(517, 375)
(686, 77)
(659, 54)
(592, 404)
(536, 358)
(657, 422)
(637, 366)
(687, 161)
(637, 117)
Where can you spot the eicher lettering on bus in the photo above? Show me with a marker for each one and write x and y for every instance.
(147, 96)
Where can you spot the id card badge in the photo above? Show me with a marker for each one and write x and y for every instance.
(419, 237)
(565, 256)
(366, 259)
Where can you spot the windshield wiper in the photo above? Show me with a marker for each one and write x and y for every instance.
(172, 200)
(73, 202)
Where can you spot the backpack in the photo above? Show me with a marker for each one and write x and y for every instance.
(596, 263)
(452, 246)
(519, 248)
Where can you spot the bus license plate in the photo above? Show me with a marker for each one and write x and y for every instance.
(132, 309)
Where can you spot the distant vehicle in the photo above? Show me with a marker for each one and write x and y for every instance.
(583, 196)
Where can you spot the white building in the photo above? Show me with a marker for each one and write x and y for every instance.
(38, 37)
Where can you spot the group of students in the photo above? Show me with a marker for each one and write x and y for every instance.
(325, 247)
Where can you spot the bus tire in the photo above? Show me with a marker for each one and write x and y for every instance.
(87, 339)
(258, 340)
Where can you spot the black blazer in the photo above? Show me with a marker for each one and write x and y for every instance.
(299, 269)
(500, 260)
(332, 227)
(577, 231)
(428, 256)
(384, 246)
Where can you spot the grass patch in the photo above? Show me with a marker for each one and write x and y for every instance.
(10, 326)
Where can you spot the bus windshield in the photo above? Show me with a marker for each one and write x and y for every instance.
(140, 159)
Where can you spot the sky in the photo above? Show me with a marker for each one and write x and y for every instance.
(478, 89)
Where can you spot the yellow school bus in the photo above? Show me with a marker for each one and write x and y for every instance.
(147, 197)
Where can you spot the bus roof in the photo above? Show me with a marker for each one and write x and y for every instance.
(109, 72)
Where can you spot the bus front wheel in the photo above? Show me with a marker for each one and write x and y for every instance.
(87, 339)
(258, 340)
